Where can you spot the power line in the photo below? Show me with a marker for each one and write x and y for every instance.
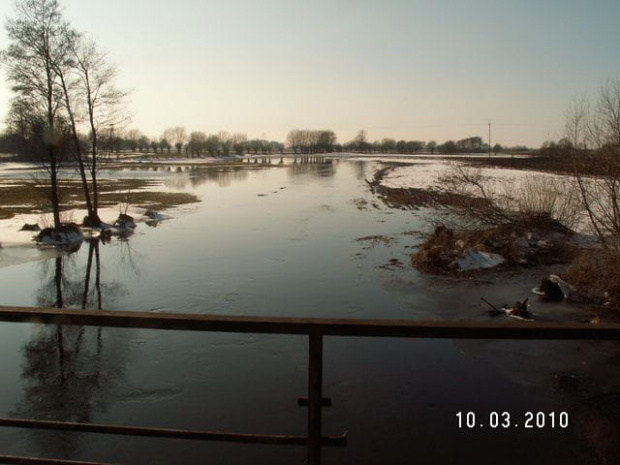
(489, 140)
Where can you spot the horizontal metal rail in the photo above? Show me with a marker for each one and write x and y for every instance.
(38, 461)
(317, 326)
(334, 441)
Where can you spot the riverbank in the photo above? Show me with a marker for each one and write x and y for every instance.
(492, 232)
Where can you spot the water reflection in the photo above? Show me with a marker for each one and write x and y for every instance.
(363, 167)
(182, 177)
(93, 250)
(224, 176)
(315, 166)
(68, 372)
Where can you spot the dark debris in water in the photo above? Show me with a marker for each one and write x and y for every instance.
(392, 264)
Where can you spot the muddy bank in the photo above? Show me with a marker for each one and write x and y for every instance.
(411, 198)
(22, 196)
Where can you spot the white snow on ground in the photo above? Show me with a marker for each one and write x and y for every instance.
(11, 236)
(421, 174)
(476, 260)
(425, 174)
(12, 166)
(420, 156)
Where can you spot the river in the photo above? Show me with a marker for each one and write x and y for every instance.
(299, 240)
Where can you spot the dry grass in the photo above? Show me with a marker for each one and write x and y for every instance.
(482, 201)
(556, 198)
(437, 253)
(524, 243)
(596, 275)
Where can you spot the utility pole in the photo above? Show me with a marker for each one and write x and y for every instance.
(489, 140)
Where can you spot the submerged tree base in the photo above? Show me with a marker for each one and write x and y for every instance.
(66, 235)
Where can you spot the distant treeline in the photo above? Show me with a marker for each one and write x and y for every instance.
(298, 141)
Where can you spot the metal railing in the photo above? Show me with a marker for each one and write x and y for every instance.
(314, 328)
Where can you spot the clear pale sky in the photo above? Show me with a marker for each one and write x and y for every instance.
(416, 69)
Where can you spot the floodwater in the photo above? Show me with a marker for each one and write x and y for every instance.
(299, 240)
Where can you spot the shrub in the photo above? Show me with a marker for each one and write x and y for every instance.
(596, 275)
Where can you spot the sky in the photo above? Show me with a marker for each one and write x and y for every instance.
(404, 69)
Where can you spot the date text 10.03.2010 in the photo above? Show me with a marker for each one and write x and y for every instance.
(504, 420)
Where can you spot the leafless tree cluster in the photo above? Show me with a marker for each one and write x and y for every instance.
(308, 141)
(63, 88)
(173, 137)
(194, 144)
(592, 131)
(220, 144)
(388, 145)
(474, 144)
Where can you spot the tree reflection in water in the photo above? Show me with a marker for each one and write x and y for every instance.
(223, 176)
(69, 371)
(315, 166)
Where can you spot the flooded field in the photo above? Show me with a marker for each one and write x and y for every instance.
(298, 240)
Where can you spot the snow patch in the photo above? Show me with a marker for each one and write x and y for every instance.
(476, 260)
(68, 236)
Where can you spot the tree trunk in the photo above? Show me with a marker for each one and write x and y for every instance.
(93, 173)
(54, 197)
(93, 220)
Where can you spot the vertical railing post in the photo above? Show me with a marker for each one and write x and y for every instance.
(315, 396)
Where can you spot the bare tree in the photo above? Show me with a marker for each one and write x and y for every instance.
(164, 144)
(143, 143)
(70, 92)
(239, 141)
(104, 104)
(39, 45)
(311, 141)
(294, 140)
(131, 139)
(387, 145)
(576, 123)
(593, 133)
(212, 145)
(176, 136)
(65, 78)
(326, 139)
(226, 142)
(197, 142)
(360, 140)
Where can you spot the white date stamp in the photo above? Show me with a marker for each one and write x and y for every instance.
(506, 420)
